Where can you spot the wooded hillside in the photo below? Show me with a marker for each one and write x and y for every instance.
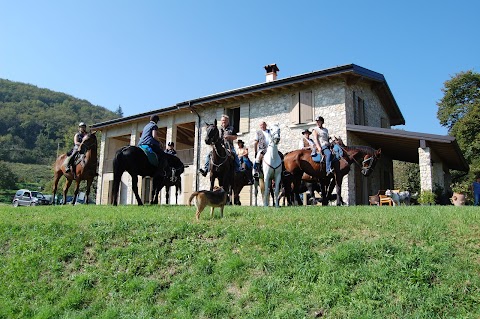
(35, 123)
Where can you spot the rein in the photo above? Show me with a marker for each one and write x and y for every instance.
(225, 158)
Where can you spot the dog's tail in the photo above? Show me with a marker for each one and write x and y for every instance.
(194, 194)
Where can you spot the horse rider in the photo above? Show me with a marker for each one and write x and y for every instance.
(227, 133)
(151, 137)
(322, 142)
(306, 143)
(77, 140)
(262, 139)
(171, 148)
(243, 157)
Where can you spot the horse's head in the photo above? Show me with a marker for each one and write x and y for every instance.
(275, 134)
(89, 141)
(370, 160)
(213, 134)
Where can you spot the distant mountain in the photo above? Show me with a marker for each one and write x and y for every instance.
(36, 124)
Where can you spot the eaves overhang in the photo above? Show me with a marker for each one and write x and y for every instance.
(403, 145)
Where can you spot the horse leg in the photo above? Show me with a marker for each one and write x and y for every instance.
(75, 192)
(267, 182)
(176, 194)
(297, 180)
(338, 188)
(65, 190)
(87, 192)
(278, 178)
(135, 189)
(167, 195)
(262, 185)
(56, 178)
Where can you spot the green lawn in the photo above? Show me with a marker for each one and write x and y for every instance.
(304, 262)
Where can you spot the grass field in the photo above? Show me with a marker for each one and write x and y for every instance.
(304, 262)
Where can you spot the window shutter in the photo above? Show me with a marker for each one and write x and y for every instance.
(361, 111)
(355, 111)
(244, 118)
(306, 109)
(295, 112)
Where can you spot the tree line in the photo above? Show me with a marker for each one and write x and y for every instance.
(36, 123)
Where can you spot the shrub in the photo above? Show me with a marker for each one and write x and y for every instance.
(427, 197)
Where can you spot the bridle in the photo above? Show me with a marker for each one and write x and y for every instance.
(274, 140)
(213, 140)
(365, 169)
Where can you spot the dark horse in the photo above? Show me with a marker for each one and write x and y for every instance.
(133, 160)
(221, 160)
(172, 178)
(299, 162)
(85, 168)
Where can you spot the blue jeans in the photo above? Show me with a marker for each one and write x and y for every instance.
(207, 161)
(476, 199)
(328, 158)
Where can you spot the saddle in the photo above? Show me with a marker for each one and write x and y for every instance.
(151, 155)
(79, 158)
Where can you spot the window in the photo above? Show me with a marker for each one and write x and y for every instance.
(359, 110)
(302, 107)
(234, 115)
(383, 122)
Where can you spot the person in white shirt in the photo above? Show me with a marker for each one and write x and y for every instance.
(261, 143)
(306, 143)
(322, 142)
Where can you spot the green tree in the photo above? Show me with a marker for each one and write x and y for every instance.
(406, 176)
(119, 111)
(8, 179)
(459, 111)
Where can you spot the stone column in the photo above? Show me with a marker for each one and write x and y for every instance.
(103, 147)
(425, 163)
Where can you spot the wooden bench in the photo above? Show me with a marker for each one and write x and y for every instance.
(380, 199)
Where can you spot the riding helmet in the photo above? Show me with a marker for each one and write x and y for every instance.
(82, 124)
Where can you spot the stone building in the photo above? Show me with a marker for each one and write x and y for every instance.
(357, 106)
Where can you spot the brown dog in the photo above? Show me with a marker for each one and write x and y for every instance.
(215, 198)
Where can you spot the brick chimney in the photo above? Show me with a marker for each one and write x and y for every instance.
(272, 70)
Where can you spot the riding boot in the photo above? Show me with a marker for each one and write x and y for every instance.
(250, 177)
(69, 162)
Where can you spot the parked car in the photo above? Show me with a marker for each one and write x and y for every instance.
(25, 197)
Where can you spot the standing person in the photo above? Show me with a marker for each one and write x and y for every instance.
(262, 139)
(77, 140)
(171, 148)
(306, 143)
(151, 138)
(322, 142)
(227, 132)
(476, 191)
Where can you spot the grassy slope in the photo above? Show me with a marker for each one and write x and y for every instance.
(147, 262)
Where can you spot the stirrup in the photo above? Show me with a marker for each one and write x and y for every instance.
(256, 175)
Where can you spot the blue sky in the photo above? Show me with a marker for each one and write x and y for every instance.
(146, 55)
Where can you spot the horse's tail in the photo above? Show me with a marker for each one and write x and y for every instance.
(118, 169)
(194, 194)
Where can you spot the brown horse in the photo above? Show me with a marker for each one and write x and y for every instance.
(221, 161)
(299, 162)
(85, 168)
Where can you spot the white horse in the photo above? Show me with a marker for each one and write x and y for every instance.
(272, 166)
